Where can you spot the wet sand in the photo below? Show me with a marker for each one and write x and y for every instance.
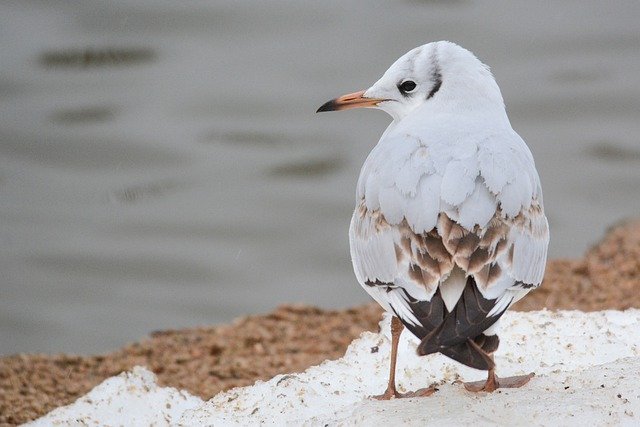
(161, 165)
(207, 360)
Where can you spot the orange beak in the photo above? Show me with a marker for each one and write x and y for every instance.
(350, 100)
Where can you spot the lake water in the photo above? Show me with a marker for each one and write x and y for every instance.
(161, 165)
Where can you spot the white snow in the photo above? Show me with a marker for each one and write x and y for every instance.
(586, 366)
(129, 399)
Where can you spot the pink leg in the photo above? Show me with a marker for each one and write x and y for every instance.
(391, 392)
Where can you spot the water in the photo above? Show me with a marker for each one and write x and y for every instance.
(161, 165)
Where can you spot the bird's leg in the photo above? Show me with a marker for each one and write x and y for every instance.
(391, 392)
(493, 382)
(396, 330)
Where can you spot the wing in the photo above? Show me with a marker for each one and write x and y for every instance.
(422, 228)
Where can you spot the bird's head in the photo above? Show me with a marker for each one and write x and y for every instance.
(436, 77)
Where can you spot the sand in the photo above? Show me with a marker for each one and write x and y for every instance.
(205, 361)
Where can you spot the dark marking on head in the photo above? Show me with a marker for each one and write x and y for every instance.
(436, 77)
(436, 87)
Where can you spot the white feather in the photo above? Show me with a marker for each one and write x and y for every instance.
(401, 306)
(478, 208)
(503, 303)
(458, 181)
(496, 162)
(451, 289)
(372, 254)
(392, 204)
(423, 209)
(372, 192)
(413, 289)
(530, 250)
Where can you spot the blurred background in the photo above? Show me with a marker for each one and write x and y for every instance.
(161, 165)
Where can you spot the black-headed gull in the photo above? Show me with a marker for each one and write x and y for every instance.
(449, 228)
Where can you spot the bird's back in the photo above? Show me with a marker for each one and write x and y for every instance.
(449, 217)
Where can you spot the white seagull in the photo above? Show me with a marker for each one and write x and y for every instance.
(449, 229)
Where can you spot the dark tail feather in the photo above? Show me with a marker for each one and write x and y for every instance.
(429, 313)
(470, 354)
(488, 343)
(467, 321)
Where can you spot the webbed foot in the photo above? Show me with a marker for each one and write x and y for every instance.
(493, 383)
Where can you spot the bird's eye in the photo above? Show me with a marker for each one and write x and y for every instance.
(407, 86)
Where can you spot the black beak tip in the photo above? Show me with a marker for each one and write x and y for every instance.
(327, 106)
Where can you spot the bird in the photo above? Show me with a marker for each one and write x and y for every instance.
(449, 228)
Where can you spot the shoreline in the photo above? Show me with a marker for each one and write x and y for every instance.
(207, 360)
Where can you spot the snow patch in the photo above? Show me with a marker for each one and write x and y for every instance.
(586, 366)
(130, 399)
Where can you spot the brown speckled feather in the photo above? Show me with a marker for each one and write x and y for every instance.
(428, 258)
